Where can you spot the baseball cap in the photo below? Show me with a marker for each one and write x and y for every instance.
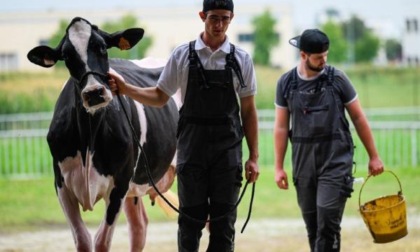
(217, 4)
(311, 41)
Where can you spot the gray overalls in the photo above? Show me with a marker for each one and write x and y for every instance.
(209, 156)
(322, 155)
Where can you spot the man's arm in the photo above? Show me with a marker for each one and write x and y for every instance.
(364, 132)
(281, 134)
(151, 96)
(250, 127)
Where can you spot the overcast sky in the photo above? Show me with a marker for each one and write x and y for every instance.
(387, 15)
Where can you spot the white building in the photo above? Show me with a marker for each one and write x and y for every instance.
(411, 41)
(168, 27)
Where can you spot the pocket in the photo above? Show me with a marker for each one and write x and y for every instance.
(347, 186)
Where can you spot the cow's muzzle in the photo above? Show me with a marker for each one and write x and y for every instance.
(94, 96)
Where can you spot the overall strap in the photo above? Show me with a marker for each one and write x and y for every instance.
(196, 62)
(330, 75)
(231, 62)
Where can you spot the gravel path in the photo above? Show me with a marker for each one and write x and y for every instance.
(269, 235)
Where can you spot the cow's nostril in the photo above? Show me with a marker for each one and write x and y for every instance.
(94, 97)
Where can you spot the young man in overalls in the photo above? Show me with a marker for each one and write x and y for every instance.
(212, 75)
(311, 100)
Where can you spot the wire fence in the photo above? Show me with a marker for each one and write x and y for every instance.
(24, 151)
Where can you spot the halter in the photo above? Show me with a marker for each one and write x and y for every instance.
(85, 75)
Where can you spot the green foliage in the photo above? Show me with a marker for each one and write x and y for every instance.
(265, 37)
(30, 92)
(136, 52)
(367, 47)
(364, 45)
(338, 46)
(393, 49)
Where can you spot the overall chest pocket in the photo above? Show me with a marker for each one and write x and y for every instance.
(317, 114)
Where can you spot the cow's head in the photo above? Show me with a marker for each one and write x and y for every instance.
(84, 51)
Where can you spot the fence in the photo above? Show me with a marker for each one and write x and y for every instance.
(24, 151)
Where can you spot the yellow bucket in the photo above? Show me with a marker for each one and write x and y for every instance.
(385, 217)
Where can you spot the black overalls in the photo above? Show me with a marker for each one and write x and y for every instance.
(322, 155)
(209, 156)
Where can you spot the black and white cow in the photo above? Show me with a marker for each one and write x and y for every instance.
(94, 152)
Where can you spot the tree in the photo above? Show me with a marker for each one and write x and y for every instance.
(363, 44)
(393, 50)
(265, 37)
(338, 45)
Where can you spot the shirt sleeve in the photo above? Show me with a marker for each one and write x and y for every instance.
(281, 101)
(174, 72)
(345, 87)
(248, 74)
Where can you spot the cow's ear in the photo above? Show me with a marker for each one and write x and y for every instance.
(126, 39)
(43, 56)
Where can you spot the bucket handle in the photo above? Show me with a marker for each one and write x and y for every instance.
(399, 193)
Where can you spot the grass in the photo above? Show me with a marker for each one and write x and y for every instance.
(32, 204)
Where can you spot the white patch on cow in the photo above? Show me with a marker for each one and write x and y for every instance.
(143, 122)
(87, 185)
(79, 36)
(143, 128)
(107, 96)
(150, 62)
(136, 190)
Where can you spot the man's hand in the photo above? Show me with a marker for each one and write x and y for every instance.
(280, 177)
(116, 83)
(251, 171)
(376, 166)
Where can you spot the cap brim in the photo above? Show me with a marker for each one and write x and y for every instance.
(295, 41)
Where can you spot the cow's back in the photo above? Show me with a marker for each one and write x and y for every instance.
(160, 143)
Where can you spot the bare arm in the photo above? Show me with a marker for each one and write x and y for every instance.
(151, 96)
(250, 126)
(281, 133)
(364, 132)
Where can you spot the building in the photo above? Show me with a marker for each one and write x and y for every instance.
(167, 26)
(411, 41)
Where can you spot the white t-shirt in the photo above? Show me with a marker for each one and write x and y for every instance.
(175, 73)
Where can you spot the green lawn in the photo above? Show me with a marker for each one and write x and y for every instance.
(32, 204)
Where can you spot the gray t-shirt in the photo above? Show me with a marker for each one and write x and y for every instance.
(342, 85)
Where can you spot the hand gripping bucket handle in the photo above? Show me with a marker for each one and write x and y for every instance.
(385, 217)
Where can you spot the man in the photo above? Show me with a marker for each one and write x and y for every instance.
(212, 76)
(313, 97)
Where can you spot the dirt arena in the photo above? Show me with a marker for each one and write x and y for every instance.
(271, 235)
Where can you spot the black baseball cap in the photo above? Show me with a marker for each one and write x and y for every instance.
(217, 5)
(311, 41)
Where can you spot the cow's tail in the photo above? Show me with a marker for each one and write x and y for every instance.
(173, 199)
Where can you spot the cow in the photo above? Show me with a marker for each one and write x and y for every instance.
(96, 153)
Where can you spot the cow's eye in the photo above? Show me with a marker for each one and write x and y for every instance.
(103, 50)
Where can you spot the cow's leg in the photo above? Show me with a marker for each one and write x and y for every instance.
(70, 206)
(103, 237)
(137, 222)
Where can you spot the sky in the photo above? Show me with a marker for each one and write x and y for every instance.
(388, 16)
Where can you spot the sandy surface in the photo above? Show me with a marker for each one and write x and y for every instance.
(270, 235)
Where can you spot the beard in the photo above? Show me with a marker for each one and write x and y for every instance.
(314, 68)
